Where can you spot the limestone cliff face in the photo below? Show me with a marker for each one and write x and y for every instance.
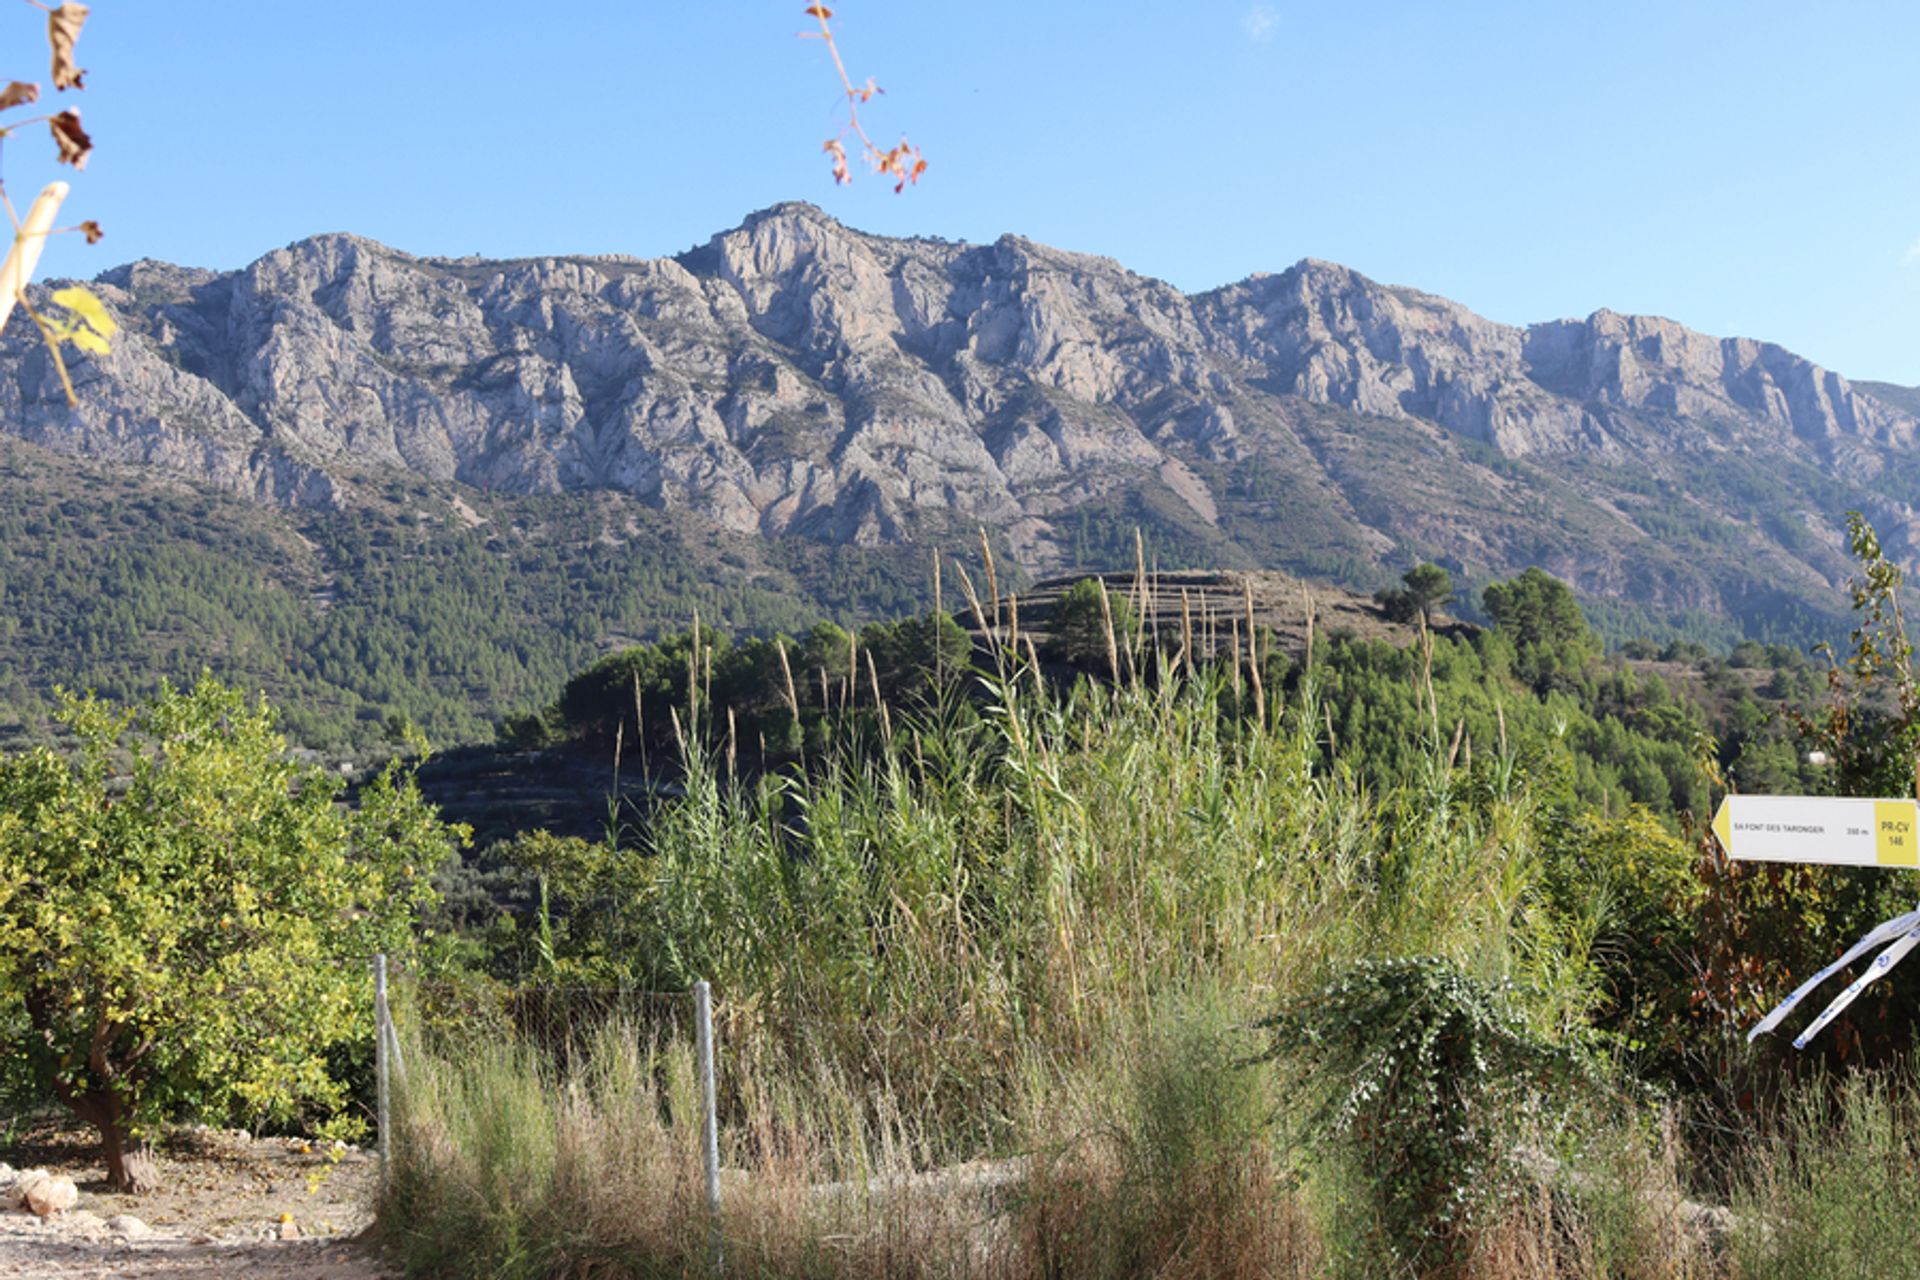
(793, 375)
(1329, 334)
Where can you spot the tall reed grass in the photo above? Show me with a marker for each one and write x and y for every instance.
(986, 973)
(936, 903)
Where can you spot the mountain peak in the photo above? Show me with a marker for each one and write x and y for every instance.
(797, 377)
(791, 211)
(336, 242)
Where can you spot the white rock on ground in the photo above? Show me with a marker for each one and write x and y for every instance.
(13, 1190)
(48, 1194)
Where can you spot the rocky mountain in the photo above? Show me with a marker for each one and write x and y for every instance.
(795, 377)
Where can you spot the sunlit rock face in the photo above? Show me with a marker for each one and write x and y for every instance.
(795, 376)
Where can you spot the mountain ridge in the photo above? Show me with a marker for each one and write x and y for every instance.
(793, 376)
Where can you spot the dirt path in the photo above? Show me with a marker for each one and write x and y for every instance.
(224, 1201)
(32, 1250)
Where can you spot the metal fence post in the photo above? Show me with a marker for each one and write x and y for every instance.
(710, 1119)
(382, 1067)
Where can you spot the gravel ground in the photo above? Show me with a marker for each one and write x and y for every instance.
(224, 1201)
(32, 1250)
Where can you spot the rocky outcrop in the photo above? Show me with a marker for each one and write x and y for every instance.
(1652, 365)
(1327, 334)
(796, 376)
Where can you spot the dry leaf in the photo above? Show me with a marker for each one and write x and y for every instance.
(91, 230)
(75, 146)
(18, 94)
(819, 11)
(895, 162)
(63, 29)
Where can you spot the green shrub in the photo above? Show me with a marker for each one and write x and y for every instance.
(1431, 1081)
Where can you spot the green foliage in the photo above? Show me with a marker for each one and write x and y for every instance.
(396, 605)
(1871, 730)
(1539, 614)
(1397, 603)
(761, 683)
(1535, 608)
(186, 913)
(993, 916)
(1464, 903)
(1624, 885)
(584, 926)
(1762, 928)
(1434, 1078)
(1023, 872)
(1090, 626)
(1195, 1104)
(1160, 1159)
(614, 693)
(916, 658)
(1427, 588)
(1612, 738)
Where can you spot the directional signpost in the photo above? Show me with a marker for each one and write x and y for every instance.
(1838, 832)
(1828, 829)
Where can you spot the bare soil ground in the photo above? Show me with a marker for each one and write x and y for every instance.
(224, 1202)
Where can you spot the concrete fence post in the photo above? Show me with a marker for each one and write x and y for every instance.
(382, 1063)
(710, 1114)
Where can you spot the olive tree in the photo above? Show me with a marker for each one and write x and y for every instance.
(187, 912)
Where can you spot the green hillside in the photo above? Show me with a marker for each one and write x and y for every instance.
(411, 606)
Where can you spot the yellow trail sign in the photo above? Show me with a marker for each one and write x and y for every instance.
(1841, 831)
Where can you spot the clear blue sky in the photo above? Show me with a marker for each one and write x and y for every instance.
(1744, 167)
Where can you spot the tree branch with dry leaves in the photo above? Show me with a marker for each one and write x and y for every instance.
(80, 319)
(902, 162)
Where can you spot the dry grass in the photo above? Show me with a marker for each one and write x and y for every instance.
(1153, 1157)
(503, 1170)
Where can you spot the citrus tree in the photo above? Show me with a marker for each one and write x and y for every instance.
(187, 913)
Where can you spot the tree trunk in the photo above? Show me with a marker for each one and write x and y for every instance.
(130, 1164)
